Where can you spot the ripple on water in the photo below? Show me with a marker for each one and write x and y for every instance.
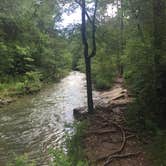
(36, 123)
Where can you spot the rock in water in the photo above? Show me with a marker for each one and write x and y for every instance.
(80, 113)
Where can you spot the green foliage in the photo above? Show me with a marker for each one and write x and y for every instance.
(145, 64)
(103, 71)
(135, 40)
(31, 49)
(157, 149)
(138, 65)
(22, 161)
(144, 61)
(75, 154)
(32, 76)
(27, 84)
(74, 143)
(60, 158)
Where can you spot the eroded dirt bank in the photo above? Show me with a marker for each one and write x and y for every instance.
(108, 140)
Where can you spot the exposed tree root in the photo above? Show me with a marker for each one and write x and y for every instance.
(107, 135)
(102, 132)
(130, 136)
(120, 156)
(123, 138)
(116, 155)
(122, 145)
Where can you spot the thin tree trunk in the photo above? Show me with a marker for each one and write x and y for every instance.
(121, 36)
(159, 27)
(87, 60)
(159, 15)
(89, 85)
(119, 42)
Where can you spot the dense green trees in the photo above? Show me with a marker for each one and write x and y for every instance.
(144, 69)
(130, 42)
(30, 46)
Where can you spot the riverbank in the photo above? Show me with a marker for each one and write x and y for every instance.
(31, 84)
(108, 139)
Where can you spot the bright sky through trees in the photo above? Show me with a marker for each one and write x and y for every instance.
(75, 16)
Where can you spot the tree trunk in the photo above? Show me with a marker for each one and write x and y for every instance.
(159, 28)
(121, 36)
(159, 15)
(87, 60)
(89, 85)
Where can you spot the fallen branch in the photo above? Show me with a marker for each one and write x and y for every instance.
(120, 156)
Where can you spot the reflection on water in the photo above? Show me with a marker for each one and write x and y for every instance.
(35, 123)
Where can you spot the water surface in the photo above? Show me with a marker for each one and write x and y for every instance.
(35, 123)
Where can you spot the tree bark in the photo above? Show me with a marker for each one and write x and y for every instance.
(159, 28)
(89, 85)
(120, 65)
(159, 14)
(87, 56)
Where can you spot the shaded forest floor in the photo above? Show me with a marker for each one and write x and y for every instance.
(108, 140)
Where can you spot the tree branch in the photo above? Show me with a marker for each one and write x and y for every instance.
(86, 13)
(93, 53)
(83, 30)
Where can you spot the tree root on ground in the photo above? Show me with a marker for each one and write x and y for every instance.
(122, 145)
(123, 138)
(116, 155)
(101, 132)
(120, 156)
(130, 136)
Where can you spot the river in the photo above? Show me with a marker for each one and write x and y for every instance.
(36, 123)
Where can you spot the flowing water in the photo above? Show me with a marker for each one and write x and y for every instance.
(36, 123)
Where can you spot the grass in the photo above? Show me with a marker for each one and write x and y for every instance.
(29, 83)
(26, 84)
(18, 88)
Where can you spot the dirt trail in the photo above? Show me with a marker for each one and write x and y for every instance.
(108, 142)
